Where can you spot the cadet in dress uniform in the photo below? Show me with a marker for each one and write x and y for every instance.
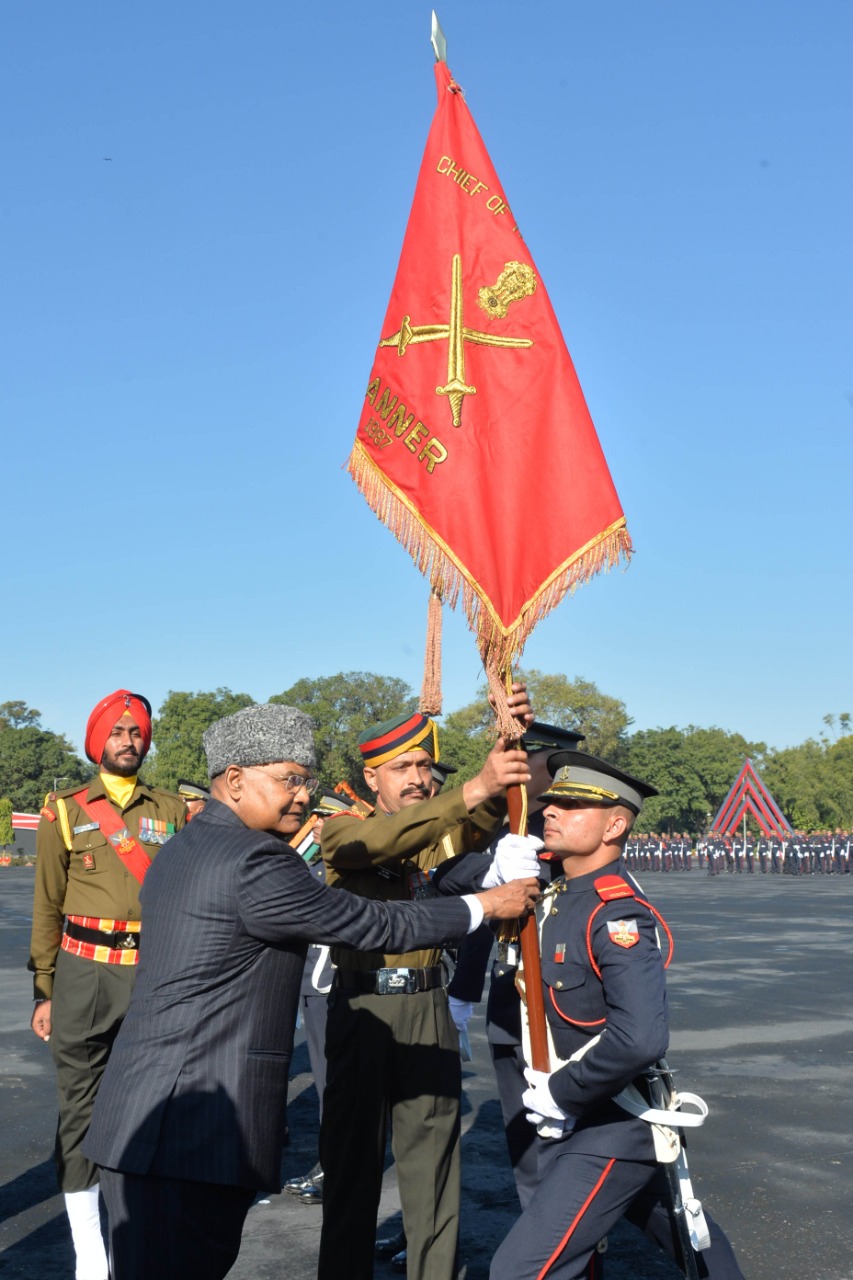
(94, 844)
(605, 1002)
(503, 1016)
(194, 796)
(316, 984)
(390, 1041)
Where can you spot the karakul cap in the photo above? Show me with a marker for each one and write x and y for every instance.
(262, 734)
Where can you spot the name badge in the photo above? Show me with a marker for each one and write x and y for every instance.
(87, 826)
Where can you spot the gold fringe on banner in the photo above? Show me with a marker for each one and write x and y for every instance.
(499, 686)
(500, 646)
(430, 702)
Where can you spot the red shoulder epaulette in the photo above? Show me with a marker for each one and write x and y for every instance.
(346, 813)
(609, 888)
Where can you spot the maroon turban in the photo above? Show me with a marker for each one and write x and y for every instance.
(106, 715)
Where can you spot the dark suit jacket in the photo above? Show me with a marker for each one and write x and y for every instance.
(196, 1085)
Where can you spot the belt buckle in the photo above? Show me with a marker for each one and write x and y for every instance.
(126, 942)
(396, 982)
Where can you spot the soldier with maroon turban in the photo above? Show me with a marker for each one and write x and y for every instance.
(94, 845)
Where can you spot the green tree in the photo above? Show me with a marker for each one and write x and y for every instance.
(797, 781)
(692, 768)
(840, 782)
(342, 707)
(32, 760)
(7, 831)
(17, 715)
(658, 756)
(467, 735)
(580, 705)
(465, 738)
(177, 731)
(813, 783)
(717, 758)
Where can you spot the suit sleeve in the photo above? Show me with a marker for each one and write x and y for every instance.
(280, 901)
(469, 976)
(464, 874)
(637, 1032)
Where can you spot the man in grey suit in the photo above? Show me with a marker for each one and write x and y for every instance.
(190, 1115)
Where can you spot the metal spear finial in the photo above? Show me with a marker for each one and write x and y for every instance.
(437, 39)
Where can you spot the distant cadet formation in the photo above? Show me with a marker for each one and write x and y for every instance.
(800, 853)
(730, 847)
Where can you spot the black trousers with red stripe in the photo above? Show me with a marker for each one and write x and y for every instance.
(579, 1199)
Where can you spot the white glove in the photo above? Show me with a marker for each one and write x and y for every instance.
(541, 1108)
(515, 859)
(460, 1012)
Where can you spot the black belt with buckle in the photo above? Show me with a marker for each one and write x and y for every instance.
(123, 940)
(390, 982)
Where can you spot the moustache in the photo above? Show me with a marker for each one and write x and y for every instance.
(414, 791)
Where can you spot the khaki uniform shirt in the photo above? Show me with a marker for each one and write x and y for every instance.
(383, 857)
(69, 884)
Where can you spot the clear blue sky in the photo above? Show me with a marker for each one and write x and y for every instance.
(202, 207)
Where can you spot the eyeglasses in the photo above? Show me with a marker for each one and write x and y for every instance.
(293, 781)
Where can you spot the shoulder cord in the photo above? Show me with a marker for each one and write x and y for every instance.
(657, 915)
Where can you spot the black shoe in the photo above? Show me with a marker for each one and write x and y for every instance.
(312, 1192)
(297, 1185)
(387, 1246)
(399, 1261)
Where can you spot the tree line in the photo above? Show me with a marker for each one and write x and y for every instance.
(693, 768)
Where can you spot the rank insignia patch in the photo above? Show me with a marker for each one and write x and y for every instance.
(88, 861)
(625, 933)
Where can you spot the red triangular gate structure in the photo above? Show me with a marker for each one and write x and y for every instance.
(749, 795)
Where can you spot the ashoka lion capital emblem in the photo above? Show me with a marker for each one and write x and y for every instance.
(516, 281)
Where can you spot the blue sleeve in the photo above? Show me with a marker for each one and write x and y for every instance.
(636, 1033)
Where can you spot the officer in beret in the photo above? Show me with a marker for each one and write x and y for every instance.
(94, 845)
(194, 796)
(604, 996)
(391, 1045)
(189, 1120)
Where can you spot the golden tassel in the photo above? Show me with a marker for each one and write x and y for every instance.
(430, 703)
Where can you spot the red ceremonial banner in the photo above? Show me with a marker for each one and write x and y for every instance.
(475, 446)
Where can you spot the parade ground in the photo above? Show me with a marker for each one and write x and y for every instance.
(761, 1009)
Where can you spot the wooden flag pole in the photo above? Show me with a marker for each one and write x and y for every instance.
(516, 801)
(517, 807)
